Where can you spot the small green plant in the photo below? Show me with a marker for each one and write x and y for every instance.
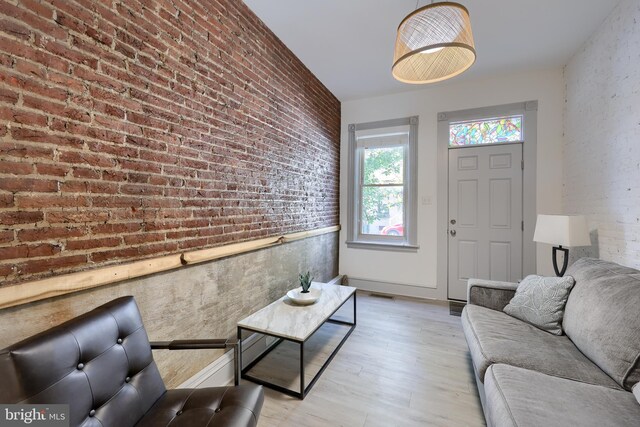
(305, 281)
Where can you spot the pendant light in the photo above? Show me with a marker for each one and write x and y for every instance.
(434, 43)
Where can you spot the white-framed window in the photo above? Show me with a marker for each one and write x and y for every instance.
(382, 184)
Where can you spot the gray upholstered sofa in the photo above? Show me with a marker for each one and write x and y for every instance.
(529, 377)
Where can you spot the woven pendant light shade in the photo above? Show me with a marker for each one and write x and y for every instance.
(434, 43)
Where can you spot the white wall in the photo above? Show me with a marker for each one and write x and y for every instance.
(602, 135)
(418, 270)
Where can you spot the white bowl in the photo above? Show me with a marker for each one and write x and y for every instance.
(297, 297)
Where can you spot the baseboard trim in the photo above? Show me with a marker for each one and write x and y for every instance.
(220, 372)
(387, 288)
(336, 280)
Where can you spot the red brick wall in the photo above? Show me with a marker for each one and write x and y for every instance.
(133, 129)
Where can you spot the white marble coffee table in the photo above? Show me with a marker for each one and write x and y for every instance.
(289, 322)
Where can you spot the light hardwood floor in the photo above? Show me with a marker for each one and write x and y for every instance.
(405, 364)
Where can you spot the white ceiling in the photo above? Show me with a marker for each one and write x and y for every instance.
(348, 44)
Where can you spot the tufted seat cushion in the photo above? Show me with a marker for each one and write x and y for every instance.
(221, 406)
(101, 365)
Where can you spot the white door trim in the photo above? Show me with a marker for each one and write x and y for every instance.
(529, 110)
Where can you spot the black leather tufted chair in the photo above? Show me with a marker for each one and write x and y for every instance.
(101, 365)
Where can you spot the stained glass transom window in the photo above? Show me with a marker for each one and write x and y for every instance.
(488, 131)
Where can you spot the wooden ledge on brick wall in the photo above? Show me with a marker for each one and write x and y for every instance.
(238, 248)
(37, 290)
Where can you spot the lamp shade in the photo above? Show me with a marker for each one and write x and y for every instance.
(434, 43)
(562, 230)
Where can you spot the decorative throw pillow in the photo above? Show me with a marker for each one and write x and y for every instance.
(540, 301)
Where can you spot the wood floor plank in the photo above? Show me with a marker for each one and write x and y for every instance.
(406, 364)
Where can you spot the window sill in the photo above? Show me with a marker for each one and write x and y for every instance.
(380, 246)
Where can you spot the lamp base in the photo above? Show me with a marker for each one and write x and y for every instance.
(565, 263)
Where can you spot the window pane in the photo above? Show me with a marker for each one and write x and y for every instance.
(383, 165)
(490, 131)
(383, 211)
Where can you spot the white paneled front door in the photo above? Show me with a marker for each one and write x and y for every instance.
(485, 215)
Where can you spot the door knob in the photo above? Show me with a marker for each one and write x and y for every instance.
(453, 222)
(453, 233)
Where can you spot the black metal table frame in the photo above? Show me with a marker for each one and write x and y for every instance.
(303, 389)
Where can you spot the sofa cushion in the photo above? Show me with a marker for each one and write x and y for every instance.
(601, 317)
(523, 398)
(216, 406)
(495, 337)
(636, 392)
(540, 301)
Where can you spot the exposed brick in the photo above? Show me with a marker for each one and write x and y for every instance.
(117, 202)
(8, 96)
(14, 29)
(101, 187)
(40, 9)
(128, 134)
(115, 254)
(11, 149)
(93, 243)
(61, 110)
(158, 248)
(49, 169)
(20, 217)
(6, 270)
(74, 187)
(30, 69)
(15, 168)
(50, 201)
(29, 185)
(24, 117)
(116, 228)
(95, 78)
(51, 264)
(147, 190)
(6, 200)
(31, 135)
(29, 84)
(66, 81)
(66, 217)
(74, 56)
(28, 251)
(6, 236)
(41, 234)
(31, 20)
(82, 158)
(86, 173)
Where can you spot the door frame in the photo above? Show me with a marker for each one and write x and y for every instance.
(529, 111)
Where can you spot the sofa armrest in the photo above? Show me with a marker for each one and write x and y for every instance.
(490, 293)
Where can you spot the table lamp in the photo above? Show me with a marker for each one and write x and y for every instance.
(562, 230)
